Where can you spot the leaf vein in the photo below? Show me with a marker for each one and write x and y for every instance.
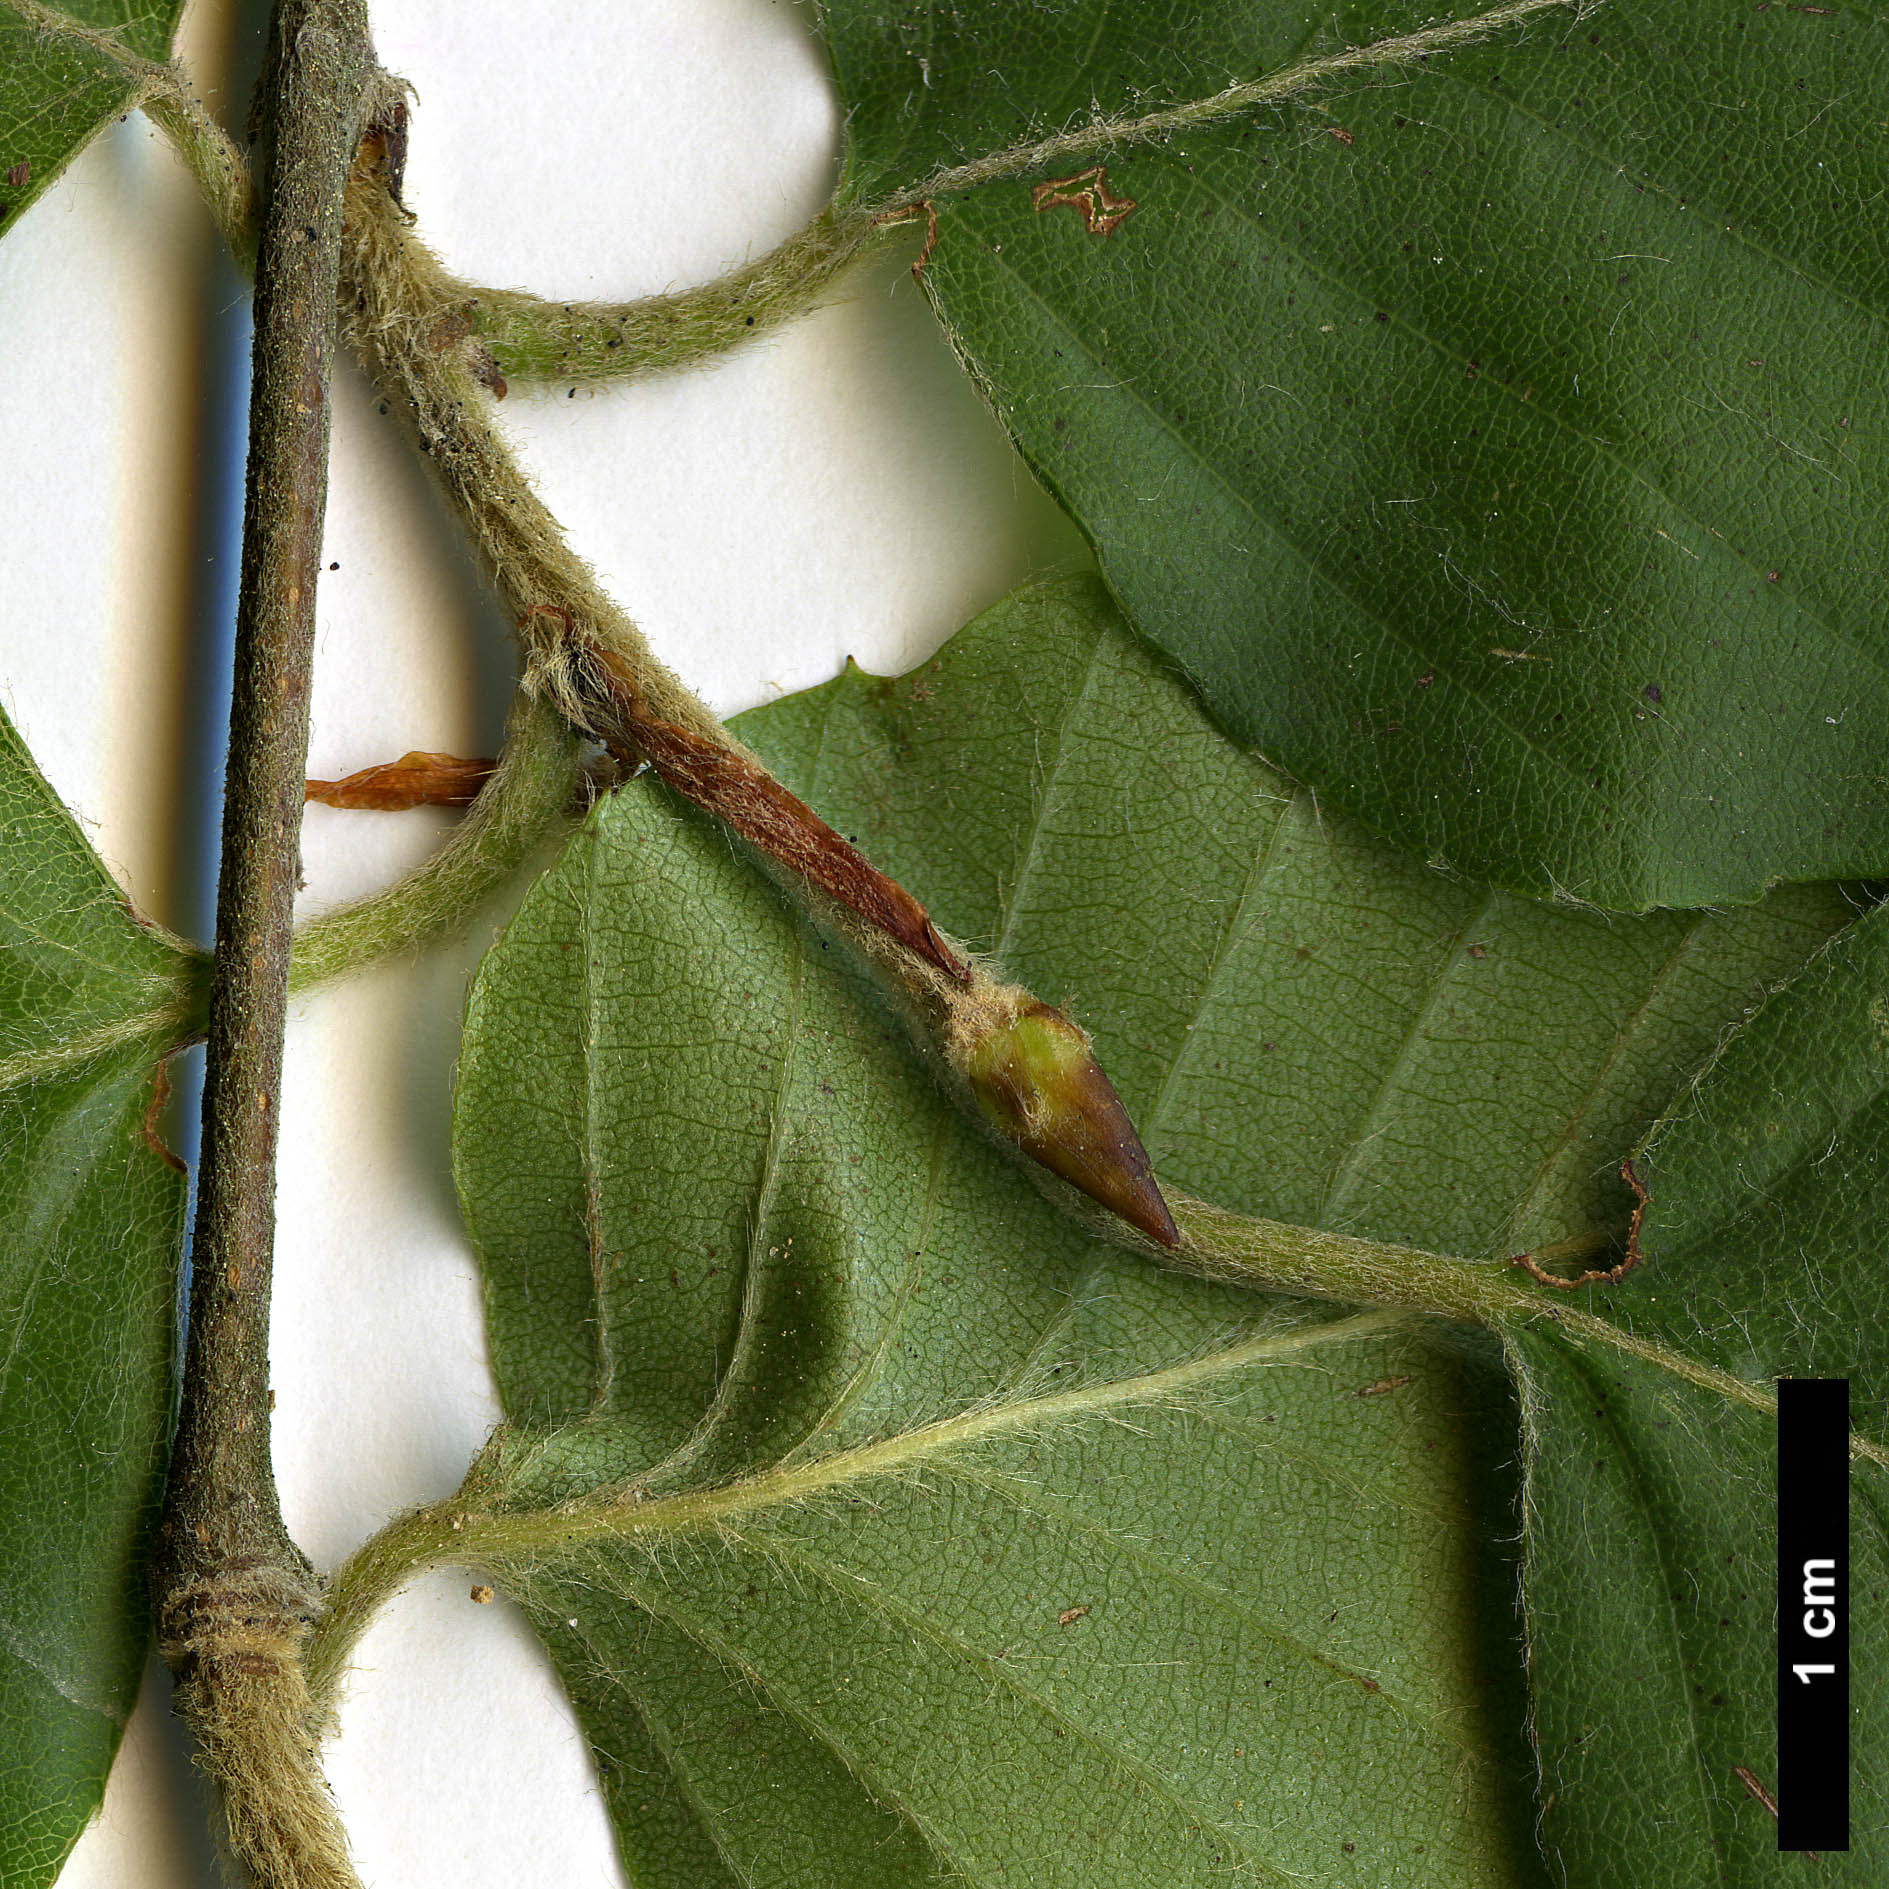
(1019, 1493)
(872, 1598)
(1313, 567)
(1369, 1127)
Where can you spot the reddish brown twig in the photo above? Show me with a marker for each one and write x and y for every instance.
(593, 665)
(723, 781)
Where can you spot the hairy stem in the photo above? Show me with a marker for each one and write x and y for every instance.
(527, 799)
(235, 1598)
(164, 93)
(477, 1528)
(584, 342)
(368, 1579)
(532, 337)
(221, 170)
(1099, 136)
(529, 337)
(1022, 1065)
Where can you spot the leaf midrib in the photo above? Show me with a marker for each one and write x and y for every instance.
(624, 1514)
(59, 950)
(103, 42)
(162, 1029)
(1305, 73)
(619, 1514)
(1635, 1478)
(1103, 135)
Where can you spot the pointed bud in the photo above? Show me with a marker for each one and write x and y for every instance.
(1038, 1080)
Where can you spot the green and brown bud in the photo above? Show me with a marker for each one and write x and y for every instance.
(1037, 1079)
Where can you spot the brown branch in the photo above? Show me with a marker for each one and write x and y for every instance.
(235, 1598)
(1025, 1069)
(724, 781)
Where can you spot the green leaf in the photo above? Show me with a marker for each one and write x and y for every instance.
(1487, 438)
(825, 1427)
(65, 73)
(1653, 1498)
(90, 1000)
(864, 1680)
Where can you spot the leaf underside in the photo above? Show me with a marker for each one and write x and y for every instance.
(1765, 1230)
(990, 1552)
(89, 1001)
(57, 93)
(1489, 438)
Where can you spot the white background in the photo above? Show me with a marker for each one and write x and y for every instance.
(835, 490)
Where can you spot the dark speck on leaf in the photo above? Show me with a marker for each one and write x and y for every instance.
(1653, 692)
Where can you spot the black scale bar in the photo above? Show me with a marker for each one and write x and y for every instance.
(1813, 1604)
